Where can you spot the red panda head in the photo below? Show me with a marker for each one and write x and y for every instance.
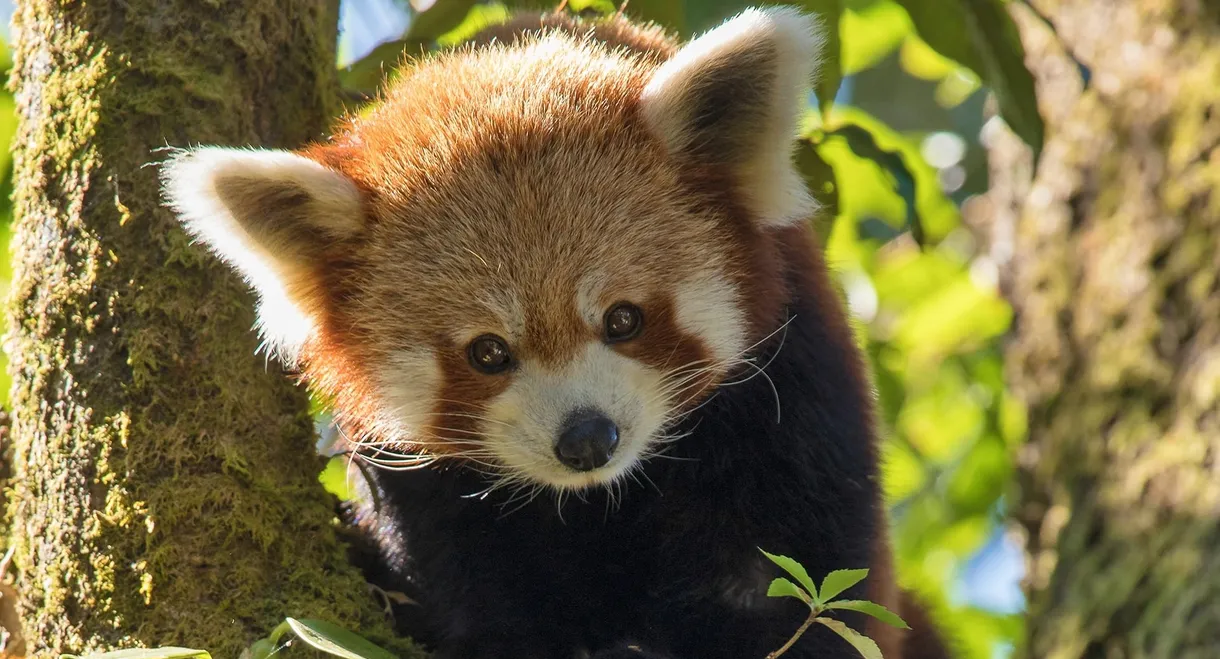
(535, 257)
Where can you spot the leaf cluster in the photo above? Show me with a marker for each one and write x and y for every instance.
(822, 600)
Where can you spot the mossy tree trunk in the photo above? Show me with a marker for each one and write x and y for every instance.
(166, 485)
(1110, 254)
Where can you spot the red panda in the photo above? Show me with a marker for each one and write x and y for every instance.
(563, 291)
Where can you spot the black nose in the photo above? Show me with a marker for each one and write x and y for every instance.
(587, 441)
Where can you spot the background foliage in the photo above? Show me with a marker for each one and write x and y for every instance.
(893, 146)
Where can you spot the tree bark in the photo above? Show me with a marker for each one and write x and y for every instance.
(165, 487)
(1110, 255)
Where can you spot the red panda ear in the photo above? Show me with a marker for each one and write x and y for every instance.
(733, 96)
(270, 215)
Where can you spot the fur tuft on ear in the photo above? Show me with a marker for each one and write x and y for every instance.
(270, 215)
(734, 95)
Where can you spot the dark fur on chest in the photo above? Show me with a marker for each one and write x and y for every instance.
(784, 462)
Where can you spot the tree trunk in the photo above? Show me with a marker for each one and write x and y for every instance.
(1110, 255)
(165, 487)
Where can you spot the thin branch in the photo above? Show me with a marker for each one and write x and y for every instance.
(813, 615)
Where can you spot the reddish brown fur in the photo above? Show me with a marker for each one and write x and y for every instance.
(434, 158)
(664, 346)
(648, 40)
(756, 256)
(430, 145)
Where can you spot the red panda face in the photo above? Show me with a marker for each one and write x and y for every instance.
(559, 282)
(534, 258)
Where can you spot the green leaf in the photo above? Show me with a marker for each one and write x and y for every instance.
(334, 478)
(703, 15)
(840, 580)
(865, 145)
(820, 177)
(870, 33)
(667, 13)
(260, 649)
(998, 44)
(781, 587)
(585, 7)
(943, 25)
(870, 609)
(480, 18)
(958, 317)
(937, 215)
(441, 17)
(980, 477)
(830, 70)
(148, 653)
(866, 190)
(981, 35)
(863, 644)
(370, 71)
(796, 570)
(335, 640)
(279, 631)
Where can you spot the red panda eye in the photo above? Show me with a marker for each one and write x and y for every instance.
(623, 322)
(489, 354)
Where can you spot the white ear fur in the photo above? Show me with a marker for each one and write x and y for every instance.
(266, 213)
(735, 95)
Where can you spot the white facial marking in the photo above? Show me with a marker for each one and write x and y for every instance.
(708, 307)
(408, 380)
(588, 298)
(539, 401)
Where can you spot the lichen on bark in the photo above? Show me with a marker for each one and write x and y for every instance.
(1110, 255)
(166, 485)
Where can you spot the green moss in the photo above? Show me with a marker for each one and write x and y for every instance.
(166, 488)
(1116, 285)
